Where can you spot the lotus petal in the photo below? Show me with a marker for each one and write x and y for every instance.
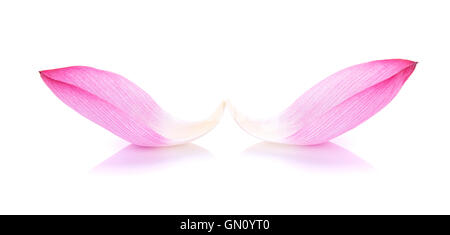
(123, 108)
(333, 106)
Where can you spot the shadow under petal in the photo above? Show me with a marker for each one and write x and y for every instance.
(137, 159)
(327, 156)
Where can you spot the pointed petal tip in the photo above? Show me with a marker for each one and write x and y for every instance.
(393, 60)
(43, 74)
(66, 68)
(48, 70)
(411, 62)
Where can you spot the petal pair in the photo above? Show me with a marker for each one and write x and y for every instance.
(332, 107)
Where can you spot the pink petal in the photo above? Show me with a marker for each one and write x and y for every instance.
(335, 105)
(121, 107)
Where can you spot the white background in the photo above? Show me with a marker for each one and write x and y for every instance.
(189, 56)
